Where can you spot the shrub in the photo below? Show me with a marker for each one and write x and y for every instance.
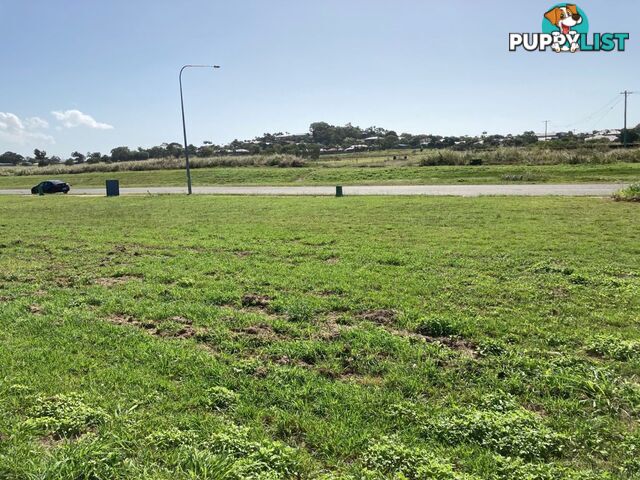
(161, 164)
(63, 416)
(629, 194)
(444, 157)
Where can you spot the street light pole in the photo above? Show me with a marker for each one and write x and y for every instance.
(184, 125)
(626, 94)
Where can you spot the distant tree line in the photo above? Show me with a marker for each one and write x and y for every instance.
(321, 138)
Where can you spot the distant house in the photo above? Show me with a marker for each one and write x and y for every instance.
(593, 138)
(356, 148)
(290, 137)
(609, 132)
(548, 137)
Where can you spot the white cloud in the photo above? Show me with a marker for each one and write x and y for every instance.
(10, 122)
(36, 122)
(75, 118)
(14, 130)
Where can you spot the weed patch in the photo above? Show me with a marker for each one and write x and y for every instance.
(438, 327)
(220, 398)
(389, 458)
(515, 432)
(614, 348)
(63, 416)
(628, 194)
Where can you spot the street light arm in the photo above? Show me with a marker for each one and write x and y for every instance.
(197, 66)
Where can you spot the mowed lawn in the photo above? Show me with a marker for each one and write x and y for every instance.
(347, 175)
(353, 338)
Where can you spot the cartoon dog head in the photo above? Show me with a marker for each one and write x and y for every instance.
(564, 17)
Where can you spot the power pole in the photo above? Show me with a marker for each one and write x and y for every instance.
(626, 94)
(546, 129)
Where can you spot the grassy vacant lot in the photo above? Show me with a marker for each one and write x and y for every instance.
(354, 338)
(494, 174)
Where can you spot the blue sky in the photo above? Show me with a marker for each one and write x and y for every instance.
(92, 75)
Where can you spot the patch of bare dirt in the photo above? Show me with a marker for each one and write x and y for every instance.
(120, 319)
(559, 292)
(381, 317)
(461, 345)
(262, 332)
(113, 281)
(351, 377)
(63, 281)
(254, 300)
(36, 309)
(49, 442)
(330, 329)
(182, 320)
(537, 409)
(242, 254)
(285, 360)
(366, 380)
(186, 329)
(332, 260)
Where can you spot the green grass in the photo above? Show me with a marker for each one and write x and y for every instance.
(490, 174)
(353, 338)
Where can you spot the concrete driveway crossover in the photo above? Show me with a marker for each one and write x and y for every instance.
(578, 189)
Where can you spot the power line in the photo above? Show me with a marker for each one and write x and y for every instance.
(592, 115)
(604, 115)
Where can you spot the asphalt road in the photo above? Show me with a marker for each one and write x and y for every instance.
(583, 189)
